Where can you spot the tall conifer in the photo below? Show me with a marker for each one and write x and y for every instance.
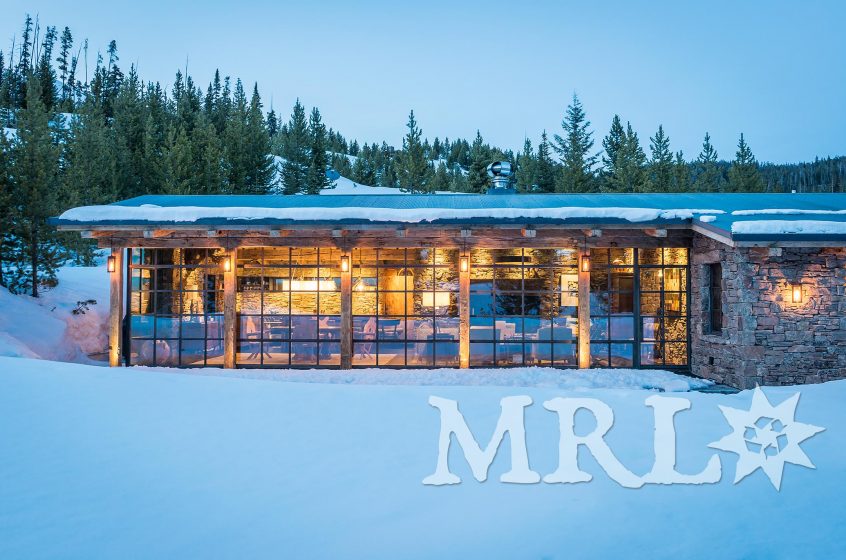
(574, 148)
(743, 175)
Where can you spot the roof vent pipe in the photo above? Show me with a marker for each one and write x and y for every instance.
(500, 173)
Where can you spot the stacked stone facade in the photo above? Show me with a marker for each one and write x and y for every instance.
(766, 338)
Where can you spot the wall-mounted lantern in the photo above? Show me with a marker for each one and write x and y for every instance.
(111, 264)
(345, 263)
(796, 293)
(464, 263)
(226, 264)
(585, 267)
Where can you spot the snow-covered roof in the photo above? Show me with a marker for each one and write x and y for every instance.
(736, 216)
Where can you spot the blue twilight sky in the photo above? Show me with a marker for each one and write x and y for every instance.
(773, 70)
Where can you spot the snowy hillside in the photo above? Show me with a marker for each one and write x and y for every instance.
(343, 185)
(47, 328)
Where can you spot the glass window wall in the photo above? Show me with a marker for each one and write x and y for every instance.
(175, 311)
(524, 307)
(405, 307)
(288, 305)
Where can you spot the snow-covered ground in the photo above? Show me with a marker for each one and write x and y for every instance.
(163, 463)
(110, 463)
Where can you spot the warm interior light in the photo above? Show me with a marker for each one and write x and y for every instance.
(797, 293)
(309, 285)
(464, 263)
(585, 263)
(345, 263)
(434, 299)
(111, 264)
(227, 264)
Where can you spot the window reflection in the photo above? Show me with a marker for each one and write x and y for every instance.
(657, 285)
(175, 310)
(405, 307)
(288, 304)
(523, 307)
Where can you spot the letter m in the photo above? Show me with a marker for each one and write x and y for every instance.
(510, 420)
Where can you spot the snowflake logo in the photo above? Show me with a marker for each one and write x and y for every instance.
(766, 437)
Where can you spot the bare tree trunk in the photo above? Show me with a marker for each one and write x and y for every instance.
(33, 259)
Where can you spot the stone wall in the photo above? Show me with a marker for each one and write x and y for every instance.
(767, 339)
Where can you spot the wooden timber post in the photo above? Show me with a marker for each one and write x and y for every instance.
(346, 314)
(116, 308)
(464, 313)
(584, 309)
(230, 318)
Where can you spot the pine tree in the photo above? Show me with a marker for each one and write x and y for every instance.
(179, 163)
(296, 150)
(440, 180)
(65, 60)
(6, 208)
(413, 169)
(574, 149)
(91, 177)
(477, 178)
(272, 124)
(612, 145)
(661, 163)
(24, 67)
(45, 72)
(545, 169)
(526, 163)
(316, 179)
(743, 175)
(211, 172)
(624, 160)
(364, 168)
(36, 186)
(681, 174)
(259, 162)
(127, 129)
(709, 178)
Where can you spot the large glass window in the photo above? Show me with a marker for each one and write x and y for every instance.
(288, 306)
(176, 307)
(638, 303)
(405, 307)
(524, 307)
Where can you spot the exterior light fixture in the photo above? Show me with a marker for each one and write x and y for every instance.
(464, 263)
(796, 293)
(345, 263)
(226, 264)
(111, 264)
(585, 263)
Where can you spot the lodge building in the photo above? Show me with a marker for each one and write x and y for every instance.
(739, 288)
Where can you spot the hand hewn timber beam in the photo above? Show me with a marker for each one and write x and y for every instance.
(230, 319)
(116, 309)
(464, 317)
(156, 233)
(584, 311)
(651, 232)
(592, 232)
(346, 316)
